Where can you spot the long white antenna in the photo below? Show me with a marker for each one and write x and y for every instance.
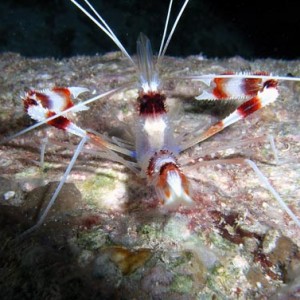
(103, 26)
(100, 18)
(235, 76)
(165, 28)
(173, 28)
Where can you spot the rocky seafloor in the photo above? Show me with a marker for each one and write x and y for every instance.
(107, 237)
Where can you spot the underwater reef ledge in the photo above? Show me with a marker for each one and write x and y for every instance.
(105, 237)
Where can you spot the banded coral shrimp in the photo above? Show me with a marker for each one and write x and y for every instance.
(195, 155)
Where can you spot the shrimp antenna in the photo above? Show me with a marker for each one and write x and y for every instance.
(103, 26)
(207, 78)
(164, 46)
(165, 28)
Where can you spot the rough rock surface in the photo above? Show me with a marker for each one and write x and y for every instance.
(106, 237)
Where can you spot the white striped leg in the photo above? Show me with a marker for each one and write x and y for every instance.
(268, 95)
(207, 148)
(43, 146)
(262, 178)
(59, 187)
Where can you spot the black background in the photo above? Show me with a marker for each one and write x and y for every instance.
(213, 28)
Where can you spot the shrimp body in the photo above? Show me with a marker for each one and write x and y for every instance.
(155, 151)
(155, 144)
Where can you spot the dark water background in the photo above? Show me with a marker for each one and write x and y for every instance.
(216, 28)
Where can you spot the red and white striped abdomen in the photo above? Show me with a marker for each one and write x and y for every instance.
(171, 185)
